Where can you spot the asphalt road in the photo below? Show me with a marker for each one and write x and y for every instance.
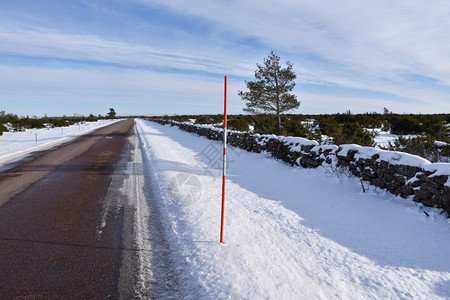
(55, 242)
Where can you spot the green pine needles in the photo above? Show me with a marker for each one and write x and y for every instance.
(270, 93)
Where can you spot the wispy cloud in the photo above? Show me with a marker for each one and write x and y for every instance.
(361, 44)
(378, 35)
(54, 44)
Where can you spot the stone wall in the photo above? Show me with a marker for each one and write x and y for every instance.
(401, 174)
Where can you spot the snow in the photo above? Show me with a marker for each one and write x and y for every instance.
(295, 143)
(15, 146)
(290, 233)
(385, 138)
(208, 126)
(392, 157)
(441, 144)
(439, 169)
(398, 158)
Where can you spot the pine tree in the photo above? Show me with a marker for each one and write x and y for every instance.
(271, 91)
(112, 113)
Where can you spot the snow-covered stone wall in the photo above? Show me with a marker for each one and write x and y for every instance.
(400, 173)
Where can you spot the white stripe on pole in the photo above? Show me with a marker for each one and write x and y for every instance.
(225, 133)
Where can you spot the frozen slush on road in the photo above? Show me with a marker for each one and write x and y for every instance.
(290, 233)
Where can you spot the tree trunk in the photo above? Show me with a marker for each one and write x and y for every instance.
(279, 123)
(278, 110)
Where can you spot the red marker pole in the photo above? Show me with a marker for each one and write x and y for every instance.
(224, 171)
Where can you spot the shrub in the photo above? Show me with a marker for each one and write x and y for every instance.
(294, 127)
(353, 133)
(265, 124)
(402, 125)
(2, 129)
(239, 123)
(422, 146)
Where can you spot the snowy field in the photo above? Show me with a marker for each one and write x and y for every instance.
(384, 138)
(290, 233)
(17, 145)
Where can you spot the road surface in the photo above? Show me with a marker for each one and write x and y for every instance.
(60, 236)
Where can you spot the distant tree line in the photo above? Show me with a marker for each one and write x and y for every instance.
(348, 128)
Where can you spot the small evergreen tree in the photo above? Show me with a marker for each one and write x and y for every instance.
(422, 146)
(294, 127)
(92, 118)
(353, 133)
(271, 91)
(330, 126)
(112, 113)
(239, 123)
(405, 124)
(264, 124)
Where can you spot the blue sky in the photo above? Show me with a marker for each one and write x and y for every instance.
(156, 57)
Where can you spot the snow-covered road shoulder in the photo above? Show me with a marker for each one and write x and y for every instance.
(290, 233)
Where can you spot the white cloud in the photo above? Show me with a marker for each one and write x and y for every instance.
(90, 48)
